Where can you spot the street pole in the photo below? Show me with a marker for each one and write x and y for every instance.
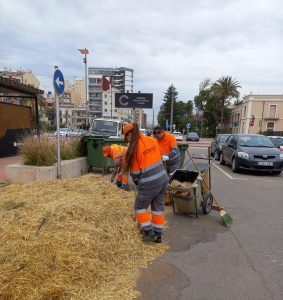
(111, 110)
(58, 156)
(86, 91)
(152, 119)
(172, 107)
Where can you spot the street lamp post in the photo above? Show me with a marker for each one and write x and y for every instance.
(172, 107)
(85, 52)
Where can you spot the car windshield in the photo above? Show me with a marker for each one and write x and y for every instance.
(223, 138)
(104, 126)
(255, 141)
(277, 141)
(193, 134)
(177, 133)
(63, 129)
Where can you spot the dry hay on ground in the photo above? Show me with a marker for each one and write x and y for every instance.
(70, 239)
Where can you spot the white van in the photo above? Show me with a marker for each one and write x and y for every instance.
(107, 127)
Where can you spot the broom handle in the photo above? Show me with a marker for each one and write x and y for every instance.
(191, 158)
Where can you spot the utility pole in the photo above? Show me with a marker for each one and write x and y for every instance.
(111, 110)
(172, 107)
(152, 119)
(85, 52)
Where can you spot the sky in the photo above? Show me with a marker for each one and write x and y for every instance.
(182, 42)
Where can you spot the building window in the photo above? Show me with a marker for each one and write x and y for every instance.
(105, 95)
(105, 102)
(245, 110)
(115, 109)
(105, 110)
(270, 126)
(272, 111)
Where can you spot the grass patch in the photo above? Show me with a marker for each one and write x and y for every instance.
(41, 151)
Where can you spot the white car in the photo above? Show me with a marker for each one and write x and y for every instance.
(178, 136)
(64, 132)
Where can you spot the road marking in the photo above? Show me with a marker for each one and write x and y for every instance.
(228, 175)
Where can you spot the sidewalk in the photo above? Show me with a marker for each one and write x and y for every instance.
(7, 161)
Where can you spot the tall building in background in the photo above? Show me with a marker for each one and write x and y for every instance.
(122, 81)
(140, 117)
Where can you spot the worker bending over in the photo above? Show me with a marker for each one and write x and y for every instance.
(117, 154)
(168, 148)
(143, 159)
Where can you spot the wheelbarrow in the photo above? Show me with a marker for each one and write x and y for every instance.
(188, 193)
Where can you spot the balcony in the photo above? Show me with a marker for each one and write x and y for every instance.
(271, 118)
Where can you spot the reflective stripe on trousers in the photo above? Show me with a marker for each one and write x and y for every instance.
(157, 219)
(143, 218)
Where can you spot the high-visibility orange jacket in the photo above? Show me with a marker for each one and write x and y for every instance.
(147, 168)
(117, 153)
(168, 146)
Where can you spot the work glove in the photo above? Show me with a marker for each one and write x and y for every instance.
(165, 157)
(136, 182)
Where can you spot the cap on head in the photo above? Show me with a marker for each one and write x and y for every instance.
(106, 151)
(157, 129)
(128, 127)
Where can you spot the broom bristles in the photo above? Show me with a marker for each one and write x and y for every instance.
(226, 218)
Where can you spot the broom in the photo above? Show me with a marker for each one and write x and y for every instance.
(225, 217)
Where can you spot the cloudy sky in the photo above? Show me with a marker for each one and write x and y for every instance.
(164, 41)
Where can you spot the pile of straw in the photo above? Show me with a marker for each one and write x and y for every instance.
(70, 239)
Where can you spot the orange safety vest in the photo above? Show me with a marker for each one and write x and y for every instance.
(167, 143)
(117, 153)
(147, 168)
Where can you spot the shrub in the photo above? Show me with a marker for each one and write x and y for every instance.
(41, 151)
(38, 151)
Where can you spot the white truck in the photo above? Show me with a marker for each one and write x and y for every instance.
(107, 127)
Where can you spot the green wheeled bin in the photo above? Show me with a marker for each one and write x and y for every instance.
(95, 146)
(182, 148)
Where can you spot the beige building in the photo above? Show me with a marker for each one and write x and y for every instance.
(140, 117)
(266, 110)
(25, 77)
(117, 113)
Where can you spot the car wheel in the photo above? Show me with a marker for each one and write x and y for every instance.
(276, 172)
(222, 161)
(235, 165)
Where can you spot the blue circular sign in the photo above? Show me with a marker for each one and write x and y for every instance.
(58, 82)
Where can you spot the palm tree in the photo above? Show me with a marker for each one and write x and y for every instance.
(225, 88)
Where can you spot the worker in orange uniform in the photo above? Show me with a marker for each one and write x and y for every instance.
(117, 154)
(143, 160)
(168, 148)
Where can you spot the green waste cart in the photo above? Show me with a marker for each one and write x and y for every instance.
(95, 146)
(182, 148)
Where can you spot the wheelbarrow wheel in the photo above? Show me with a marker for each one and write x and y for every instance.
(206, 204)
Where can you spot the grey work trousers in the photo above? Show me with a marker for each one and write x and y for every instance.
(154, 196)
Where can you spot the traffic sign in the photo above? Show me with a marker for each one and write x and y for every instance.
(58, 82)
(189, 125)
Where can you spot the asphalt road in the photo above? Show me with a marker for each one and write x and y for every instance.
(210, 261)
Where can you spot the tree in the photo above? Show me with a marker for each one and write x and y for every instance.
(226, 88)
(165, 109)
(182, 110)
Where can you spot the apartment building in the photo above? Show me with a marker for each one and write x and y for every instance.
(121, 79)
(140, 117)
(108, 105)
(265, 110)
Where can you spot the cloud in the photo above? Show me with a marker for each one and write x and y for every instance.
(164, 41)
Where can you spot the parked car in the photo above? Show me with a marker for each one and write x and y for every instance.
(178, 136)
(277, 141)
(251, 152)
(216, 145)
(64, 132)
(193, 136)
(77, 132)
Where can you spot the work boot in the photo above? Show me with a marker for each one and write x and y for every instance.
(126, 187)
(149, 236)
(158, 236)
(119, 183)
